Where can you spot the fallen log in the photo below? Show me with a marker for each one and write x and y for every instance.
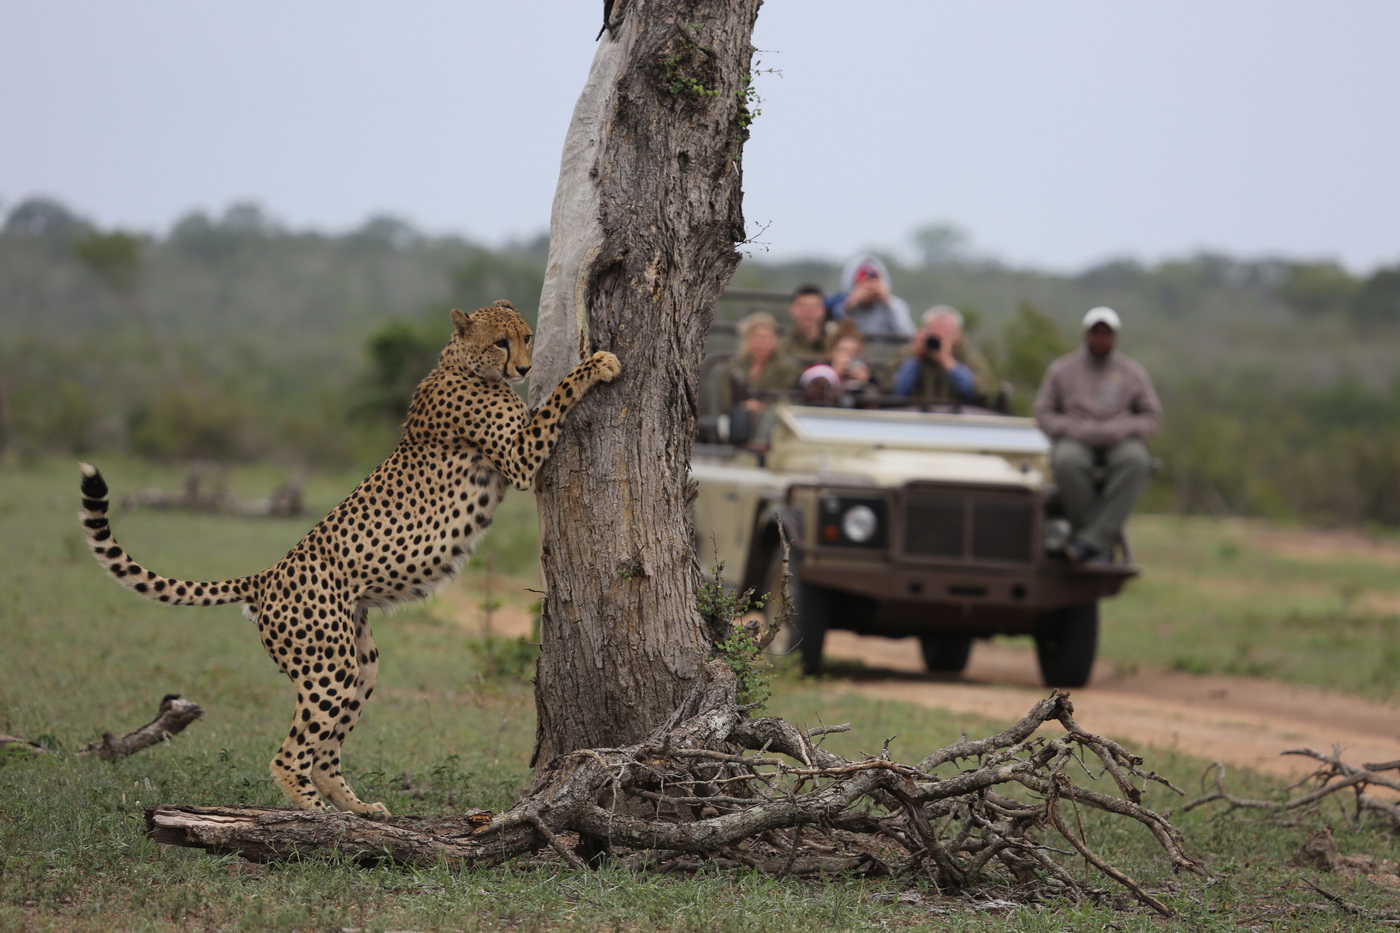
(173, 715)
(199, 496)
(715, 786)
(269, 834)
(19, 747)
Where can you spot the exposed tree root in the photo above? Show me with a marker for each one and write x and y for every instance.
(715, 787)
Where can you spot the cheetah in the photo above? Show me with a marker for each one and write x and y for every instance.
(403, 532)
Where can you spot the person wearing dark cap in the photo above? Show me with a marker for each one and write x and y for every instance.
(1099, 409)
(867, 301)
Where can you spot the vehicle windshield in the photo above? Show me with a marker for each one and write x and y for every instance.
(912, 429)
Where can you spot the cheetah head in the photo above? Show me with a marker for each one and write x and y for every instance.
(493, 343)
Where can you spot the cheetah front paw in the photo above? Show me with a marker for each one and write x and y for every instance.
(606, 365)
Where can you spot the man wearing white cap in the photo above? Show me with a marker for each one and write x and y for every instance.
(1099, 408)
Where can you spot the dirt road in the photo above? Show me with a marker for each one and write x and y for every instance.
(1240, 721)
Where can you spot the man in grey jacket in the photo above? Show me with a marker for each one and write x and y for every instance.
(1099, 408)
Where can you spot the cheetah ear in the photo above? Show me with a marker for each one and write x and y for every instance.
(461, 322)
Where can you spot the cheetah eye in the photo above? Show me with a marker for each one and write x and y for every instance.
(529, 337)
(503, 343)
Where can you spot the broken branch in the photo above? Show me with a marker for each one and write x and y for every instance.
(172, 717)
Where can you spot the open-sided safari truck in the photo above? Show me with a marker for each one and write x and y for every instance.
(902, 522)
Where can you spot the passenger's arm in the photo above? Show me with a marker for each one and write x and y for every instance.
(964, 385)
(906, 377)
(1047, 408)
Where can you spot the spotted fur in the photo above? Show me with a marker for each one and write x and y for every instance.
(405, 530)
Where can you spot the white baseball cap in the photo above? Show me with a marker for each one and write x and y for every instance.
(1102, 315)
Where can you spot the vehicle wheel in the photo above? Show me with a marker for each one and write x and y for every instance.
(811, 610)
(1066, 641)
(946, 654)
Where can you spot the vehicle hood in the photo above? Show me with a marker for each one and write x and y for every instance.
(890, 448)
(888, 468)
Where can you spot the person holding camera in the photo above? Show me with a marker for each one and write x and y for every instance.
(866, 300)
(940, 367)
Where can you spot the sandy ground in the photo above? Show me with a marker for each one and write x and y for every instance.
(1239, 721)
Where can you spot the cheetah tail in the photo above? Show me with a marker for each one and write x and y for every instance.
(132, 575)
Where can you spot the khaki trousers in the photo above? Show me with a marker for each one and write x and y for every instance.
(1099, 486)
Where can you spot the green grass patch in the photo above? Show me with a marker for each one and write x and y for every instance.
(1251, 599)
(453, 725)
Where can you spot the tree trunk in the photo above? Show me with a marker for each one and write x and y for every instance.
(642, 242)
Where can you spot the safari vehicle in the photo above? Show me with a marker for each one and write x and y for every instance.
(931, 524)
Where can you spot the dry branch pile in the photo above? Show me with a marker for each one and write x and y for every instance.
(714, 786)
(1333, 776)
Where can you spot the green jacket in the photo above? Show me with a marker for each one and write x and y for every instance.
(781, 374)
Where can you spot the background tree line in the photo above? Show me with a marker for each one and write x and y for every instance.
(232, 338)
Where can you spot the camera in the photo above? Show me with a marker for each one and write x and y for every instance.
(933, 344)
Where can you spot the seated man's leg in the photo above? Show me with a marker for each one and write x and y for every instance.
(1129, 466)
(1073, 464)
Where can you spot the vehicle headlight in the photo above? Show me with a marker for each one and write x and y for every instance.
(852, 520)
(859, 523)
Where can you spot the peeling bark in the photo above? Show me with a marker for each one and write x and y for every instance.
(642, 241)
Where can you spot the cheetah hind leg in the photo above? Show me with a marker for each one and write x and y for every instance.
(307, 766)
(326, 774)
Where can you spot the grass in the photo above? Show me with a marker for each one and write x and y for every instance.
(452, 727)
(1248, 598)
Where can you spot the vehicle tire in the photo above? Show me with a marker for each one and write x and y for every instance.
(946, 654)
(811, 610)
(1066, 641)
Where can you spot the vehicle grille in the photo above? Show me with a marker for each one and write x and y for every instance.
(968, 527)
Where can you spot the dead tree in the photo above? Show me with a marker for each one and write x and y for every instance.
(642, 241)
(172, 716)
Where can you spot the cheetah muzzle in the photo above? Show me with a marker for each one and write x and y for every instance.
(405, 531)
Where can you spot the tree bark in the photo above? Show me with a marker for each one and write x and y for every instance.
(642, 242)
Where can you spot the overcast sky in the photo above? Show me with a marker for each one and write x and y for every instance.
(1055, 134)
